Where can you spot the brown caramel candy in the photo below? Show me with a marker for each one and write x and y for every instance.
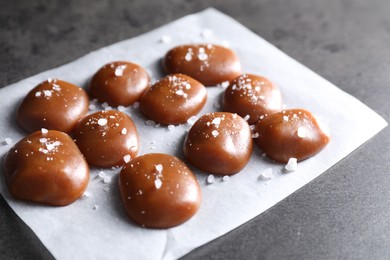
(46, 167)
(253, 96)
(107, 138)
(173, 99)
(119, 83)
(208, 63)
(159, 191)
(53, 104)
(292, 133)
(219, 143)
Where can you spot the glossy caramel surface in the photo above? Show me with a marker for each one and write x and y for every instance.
(208, 63)
(119, 83)
(159, 191)
(292, 133)
(173, 99)
(106, 137)
(46, 168)
(53, 104)
(219, 143)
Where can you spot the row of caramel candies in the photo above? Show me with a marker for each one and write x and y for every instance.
(157, 190)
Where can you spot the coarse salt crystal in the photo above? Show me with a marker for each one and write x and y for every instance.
(102, 121)
(44, 131)
(38, 93)
(127, 158)
(246, 118)
(119, 70)
(285, 118)
(202, 56)
(171, 127)
(47, 93)
(267, 174)
(210, 179)
(291, 165)
(102, 174)
(157, 183)
(255, 135)
(107, 179)
(216, 121)
(165, 39)
(159, 168)
(215, 133)
(92, 106)
(43, 140)
(121, 108)
(124, 131)
(50, 147)
(225, 178)
(8, 141)
(188, 56)
(225, 84)
(179, 92)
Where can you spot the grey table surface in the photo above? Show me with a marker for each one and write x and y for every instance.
(344, 213)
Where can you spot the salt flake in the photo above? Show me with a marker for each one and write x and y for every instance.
(291, 165)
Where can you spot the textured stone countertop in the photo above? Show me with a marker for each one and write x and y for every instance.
(343, 214)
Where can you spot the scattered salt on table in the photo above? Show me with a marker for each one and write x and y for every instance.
(291, 165)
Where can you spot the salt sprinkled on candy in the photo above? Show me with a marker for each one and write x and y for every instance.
(165, 39)
(157, 183)
(216, 121)
(291, 165)
(44, 130)
(285, 118)
(119, 70)
(127, 158)
(124, 131)
(225, 178)
(159, 168)
(210, 179)
(38, 93)
(8, 141)
(267, 174)
(246, 118)
(255, 135)
(102, 121)
(47, 93)
(215, 133)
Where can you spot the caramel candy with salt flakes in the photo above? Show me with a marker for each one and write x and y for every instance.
(253, 96)
(208, 63)
(292, 133)
(107, 138)
(53, 104)
(219, 143)
(119, 83)
(46, 167)
(159, 191)
(173, 99)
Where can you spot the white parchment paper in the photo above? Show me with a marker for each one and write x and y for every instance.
(97, 228)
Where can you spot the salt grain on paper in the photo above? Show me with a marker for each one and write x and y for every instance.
(292, 165)
(8, 141)
(87, 194)
(210, 179)
(171, 127)
(267, 174)
(107, 179)
(225, 178)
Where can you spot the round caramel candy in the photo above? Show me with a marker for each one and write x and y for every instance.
(107, 138)
(159, 191)
(208, 63)
(173, 99)
(53, 104)
(292, 133)
(46, 167)
(119, 83)
(220, 143)
(253, 96)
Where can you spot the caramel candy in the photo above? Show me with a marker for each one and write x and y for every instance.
(119, 83)
(159, 191)
(219, 143)
(173, 99)
(208, 63)
(53, 104)
(107, 138)
(253, 96)
(292, 133)
(46, 167)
